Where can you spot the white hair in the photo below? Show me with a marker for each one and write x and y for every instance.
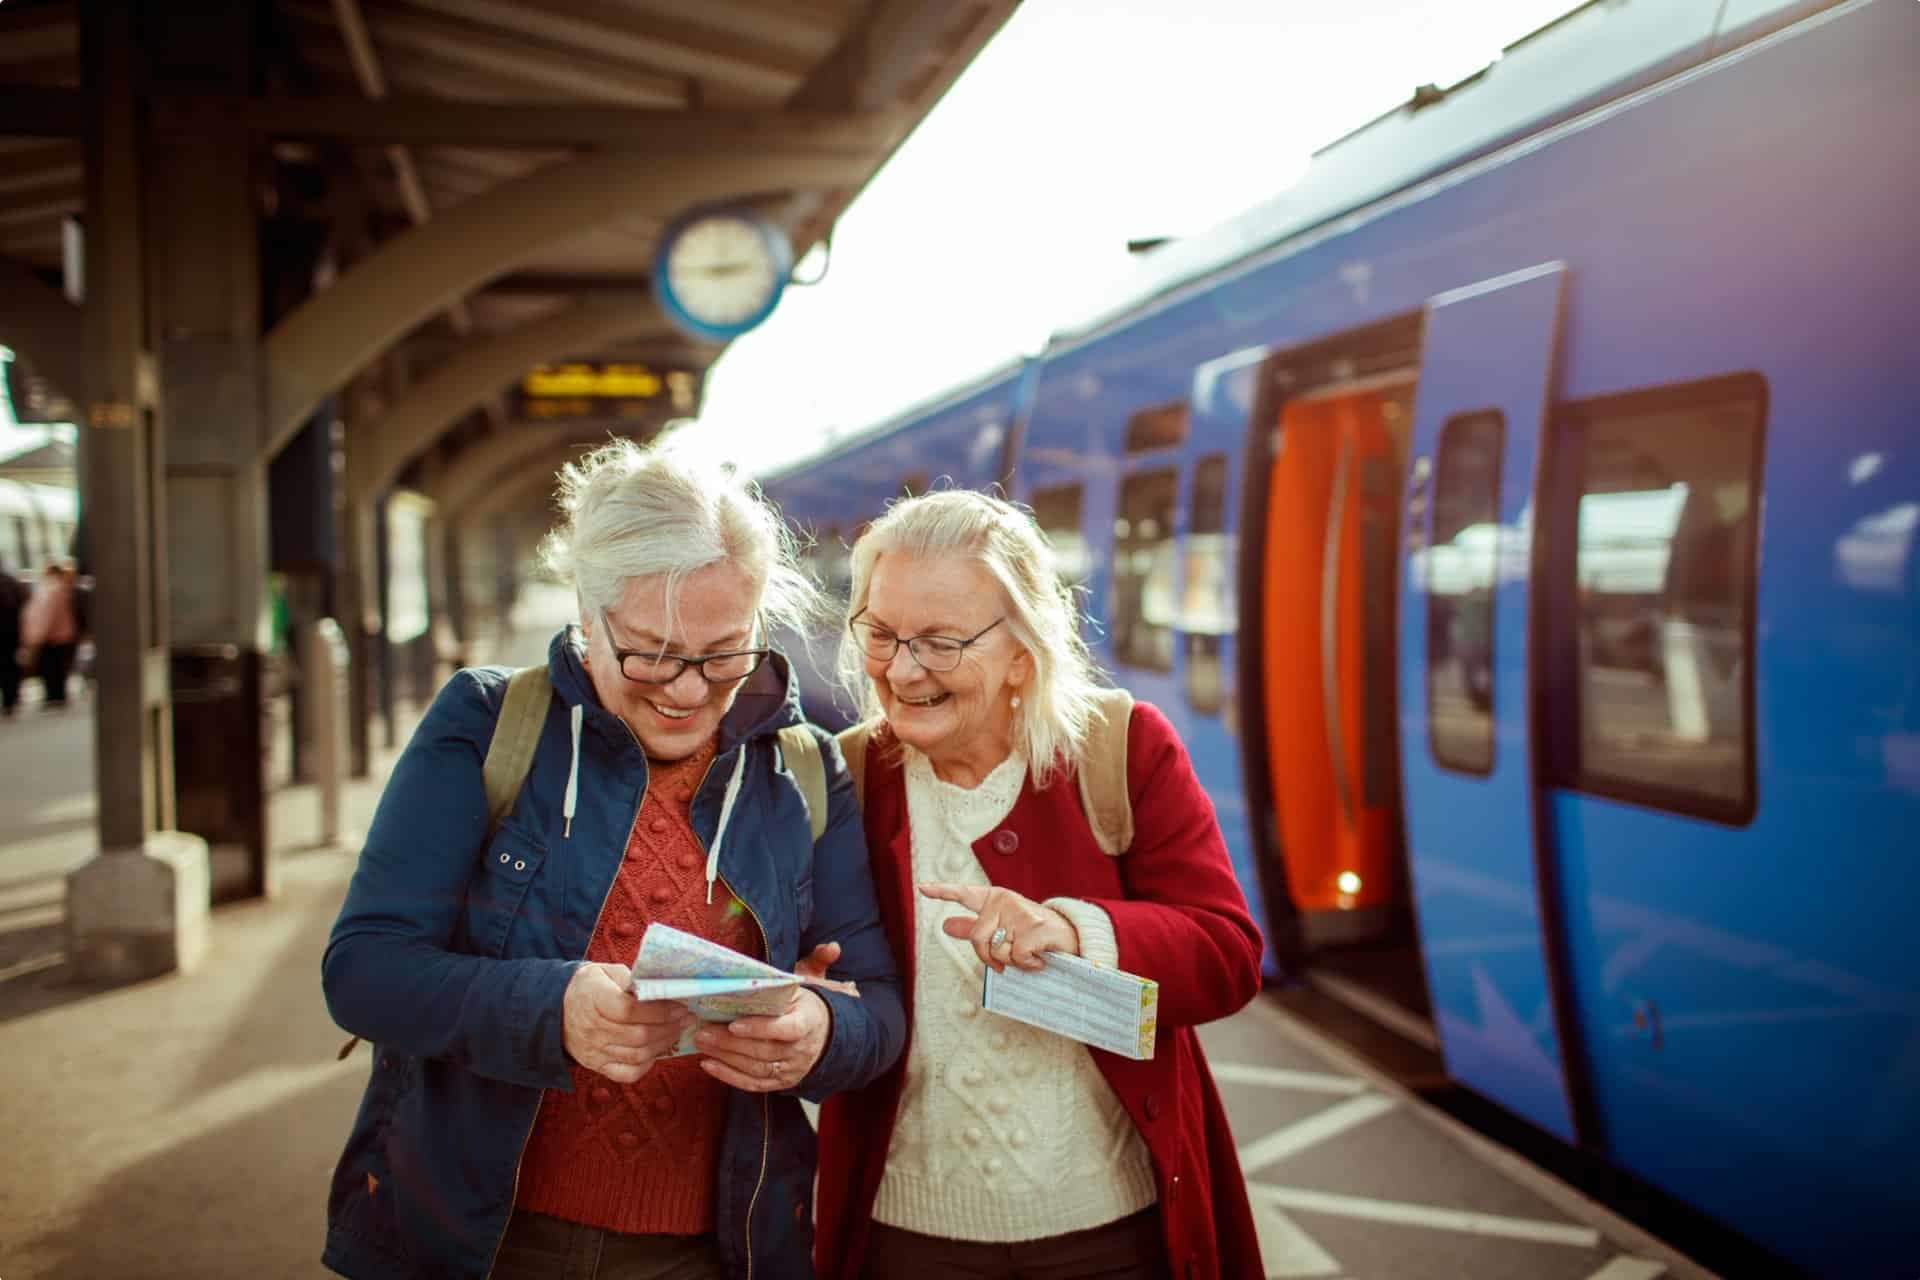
(1057, 702)
(632, 511)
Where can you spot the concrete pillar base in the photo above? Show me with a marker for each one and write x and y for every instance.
(139, 913)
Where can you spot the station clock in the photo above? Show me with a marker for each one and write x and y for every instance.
(720, 271)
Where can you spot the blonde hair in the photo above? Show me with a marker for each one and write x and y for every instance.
(632, 511)
(1057, 702)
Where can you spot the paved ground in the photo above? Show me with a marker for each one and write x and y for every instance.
(185, 1127)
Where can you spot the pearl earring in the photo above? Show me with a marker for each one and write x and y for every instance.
(1016, 699)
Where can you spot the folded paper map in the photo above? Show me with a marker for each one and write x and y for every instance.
(1081, 1000)
(717, 983)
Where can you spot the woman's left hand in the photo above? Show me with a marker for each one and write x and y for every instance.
(1025, 930)
(767, 1054)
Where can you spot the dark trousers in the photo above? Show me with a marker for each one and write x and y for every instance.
(539, 1247)
(9, 681)
(56, 660)
(1130, 1249)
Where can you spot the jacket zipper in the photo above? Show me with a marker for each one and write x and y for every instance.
(766, 949)
(766, 1120)
(521, 1158)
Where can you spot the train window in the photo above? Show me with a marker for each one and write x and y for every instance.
(1460, 566)
(1664, 582)
(1206, 607)
(1143, 590)
(1163, 426)
(1057, 512)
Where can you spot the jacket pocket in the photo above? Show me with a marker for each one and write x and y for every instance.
(499, 889)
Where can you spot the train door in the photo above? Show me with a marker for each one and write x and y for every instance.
(1327, 636)
(1467, 755)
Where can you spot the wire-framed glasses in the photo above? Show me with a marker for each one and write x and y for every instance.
(935, 653)
(646, 667)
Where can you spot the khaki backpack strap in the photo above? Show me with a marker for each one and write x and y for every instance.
(853, 746)
(516, 736)
(1103, 772)
(802, 755)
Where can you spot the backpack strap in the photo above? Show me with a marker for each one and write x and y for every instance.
(516, 736)
(853, 745)
(1102, 780)
(802, 756)
(1103, 772)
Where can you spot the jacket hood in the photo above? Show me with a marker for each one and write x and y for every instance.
(766, 704)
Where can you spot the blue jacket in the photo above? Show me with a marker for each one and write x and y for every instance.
(453, 949)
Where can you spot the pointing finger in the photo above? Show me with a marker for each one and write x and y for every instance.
(970, 896)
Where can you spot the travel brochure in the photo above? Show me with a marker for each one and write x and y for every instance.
(1072, 997)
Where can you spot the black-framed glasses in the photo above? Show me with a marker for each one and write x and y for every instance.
(642, 667)
(935, 653)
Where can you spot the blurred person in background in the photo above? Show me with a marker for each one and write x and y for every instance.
(526, 1119)
(50, 630)
(13, 595)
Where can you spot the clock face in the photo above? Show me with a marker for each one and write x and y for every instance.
(724, 271)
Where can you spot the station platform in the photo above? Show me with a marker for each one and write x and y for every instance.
(187, 1126)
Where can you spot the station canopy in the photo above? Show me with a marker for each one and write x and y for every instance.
(375, 117)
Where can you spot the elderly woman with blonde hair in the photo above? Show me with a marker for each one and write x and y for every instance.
(995, 1148)
(527, 1115)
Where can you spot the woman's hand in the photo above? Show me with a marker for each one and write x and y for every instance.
(766, 1054)
(607, 1031)
(1031, 930)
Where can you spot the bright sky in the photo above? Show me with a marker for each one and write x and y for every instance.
(1084, 124)
(15, 438)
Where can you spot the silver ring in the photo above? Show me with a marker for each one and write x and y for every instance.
(999, 936)
(773, 1068)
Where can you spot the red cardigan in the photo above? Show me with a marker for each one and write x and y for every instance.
(1179, 917)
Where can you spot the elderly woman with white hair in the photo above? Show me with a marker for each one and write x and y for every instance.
(996, 1149)
(527, 1115)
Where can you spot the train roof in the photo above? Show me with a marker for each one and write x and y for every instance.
(950, 398)
(1596, 54)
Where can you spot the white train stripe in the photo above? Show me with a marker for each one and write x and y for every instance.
(1423, 1215)
(1625, 1268)
(1313, 1130)
(1285, 1250)
(1281, 1078)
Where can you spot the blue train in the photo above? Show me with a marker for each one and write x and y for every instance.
(1518, 519)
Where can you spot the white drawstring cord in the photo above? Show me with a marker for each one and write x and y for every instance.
(573, 779)
(726, 813)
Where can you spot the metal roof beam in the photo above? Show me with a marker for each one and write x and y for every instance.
(477, 48)
(378, 450)
(569, 284)
(30, 111)
(440, 122)
(880, 56)
(661, 44)
(373, 82)
(55, 164)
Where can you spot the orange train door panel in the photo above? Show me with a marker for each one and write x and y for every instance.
(1330, 474)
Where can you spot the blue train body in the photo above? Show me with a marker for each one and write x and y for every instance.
(1655, 761)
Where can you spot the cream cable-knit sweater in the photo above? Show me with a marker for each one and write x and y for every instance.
(1005, 1132)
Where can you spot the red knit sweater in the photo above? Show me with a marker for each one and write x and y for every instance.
(639, 1157)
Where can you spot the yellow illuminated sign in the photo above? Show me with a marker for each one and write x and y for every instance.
(607, 381)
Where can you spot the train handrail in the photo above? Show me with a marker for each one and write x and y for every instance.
(1330, 630)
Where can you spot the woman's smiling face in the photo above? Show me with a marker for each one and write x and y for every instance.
(964, 715)
(714, 611)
